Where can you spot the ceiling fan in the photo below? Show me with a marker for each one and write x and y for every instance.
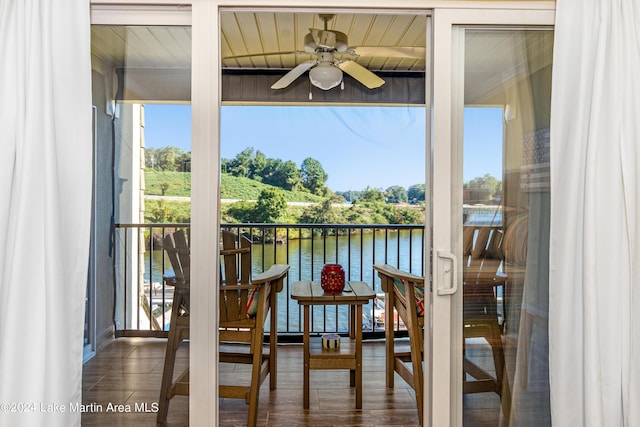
(326, 70)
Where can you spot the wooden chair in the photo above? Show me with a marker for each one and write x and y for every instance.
(244, 306)
(177, 249)
(481, 276)
(147, 307)
(402, 293)
(483, 256)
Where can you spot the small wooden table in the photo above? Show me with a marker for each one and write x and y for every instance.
(348, 356)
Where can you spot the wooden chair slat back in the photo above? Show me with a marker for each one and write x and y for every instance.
(177, 249)
(494, 247)
(480, 272)
(184, 254)
(481, 243)
(237, 271)
(229, 259)
(483, 235)
(229, 307)
(245, 260)
(467, 240)
(236, 258)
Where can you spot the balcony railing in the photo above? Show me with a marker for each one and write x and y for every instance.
(143, 303)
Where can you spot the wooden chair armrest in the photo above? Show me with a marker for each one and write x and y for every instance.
(276, 272)
(175, 282)
(487, 279)
(481, 287)
(238, 287)
(393, 272)
(235, 251)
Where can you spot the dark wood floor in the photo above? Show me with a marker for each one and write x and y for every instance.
(129, 371)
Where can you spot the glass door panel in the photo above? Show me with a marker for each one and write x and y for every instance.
(330, 151)
(142, 173)
(505, 226)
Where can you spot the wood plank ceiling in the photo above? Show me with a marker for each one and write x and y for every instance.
(160, 57)
(267, 32)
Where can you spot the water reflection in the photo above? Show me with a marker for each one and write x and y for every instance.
(356, 252)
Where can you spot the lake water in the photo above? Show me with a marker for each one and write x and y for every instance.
(357, 253)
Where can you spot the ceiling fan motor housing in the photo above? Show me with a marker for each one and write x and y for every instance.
(325, 72)
(341, 45)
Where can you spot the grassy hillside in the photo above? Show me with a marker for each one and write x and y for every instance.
(179, 184)
(232, 187)
(167, 183)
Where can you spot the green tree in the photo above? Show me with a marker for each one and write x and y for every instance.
(313, 176)
(415, 193)
(242, 211)
(482, 188)
(322, 213)
(350, 196)
(183, 162)
(403, 215)
(161, 212)
(285, 175)
(166, 158)
(268, 172)
(167, 211)
(242, 164)
(374, 195)
(271, 205)
(290, 175)
(259, 167)
(396, 194)
(335, 198)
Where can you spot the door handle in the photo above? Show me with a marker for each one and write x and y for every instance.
(448, 272)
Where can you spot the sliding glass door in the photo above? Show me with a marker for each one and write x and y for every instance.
(487, 94)
(141, 87)
(491, 219)
(505, 225)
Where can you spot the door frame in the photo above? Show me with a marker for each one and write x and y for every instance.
(442, 387)
(447, 146)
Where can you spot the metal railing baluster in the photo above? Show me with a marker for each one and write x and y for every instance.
(304, 261)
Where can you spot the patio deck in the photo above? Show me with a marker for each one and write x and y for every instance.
(129, 371)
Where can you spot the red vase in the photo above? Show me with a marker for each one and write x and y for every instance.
(332, 278)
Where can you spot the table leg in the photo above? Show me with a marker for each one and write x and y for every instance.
(352, 321)
(352, 335)
(358, 356)
(305, 399)
(273, 341)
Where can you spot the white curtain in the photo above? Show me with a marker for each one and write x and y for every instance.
(594, 326)
(45, 208)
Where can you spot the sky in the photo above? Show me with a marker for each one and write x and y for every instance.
(357, 146)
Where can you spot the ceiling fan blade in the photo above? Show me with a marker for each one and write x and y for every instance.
(296, 72)
(390, 51)
(361, 74)
(250, 55)
(323, 38)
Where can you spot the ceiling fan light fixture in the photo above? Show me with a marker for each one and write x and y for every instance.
(325, 76)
